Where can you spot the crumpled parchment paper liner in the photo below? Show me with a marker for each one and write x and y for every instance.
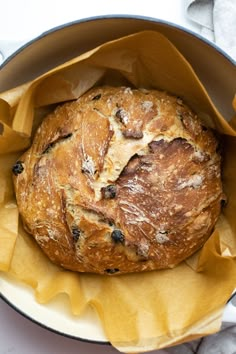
(139, 312)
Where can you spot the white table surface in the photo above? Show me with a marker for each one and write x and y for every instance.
(20, 21)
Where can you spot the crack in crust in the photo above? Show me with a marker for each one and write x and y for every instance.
(121, 164)
(54, 143)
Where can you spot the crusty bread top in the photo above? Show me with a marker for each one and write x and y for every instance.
(120, 180)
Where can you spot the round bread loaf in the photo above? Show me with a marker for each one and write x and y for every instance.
(120, 180)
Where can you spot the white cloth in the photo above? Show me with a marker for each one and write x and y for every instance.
(217, 19)
(223, 342)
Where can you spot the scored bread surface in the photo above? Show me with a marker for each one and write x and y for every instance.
(120, 180)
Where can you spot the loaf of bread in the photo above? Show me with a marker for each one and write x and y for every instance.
(120, 180)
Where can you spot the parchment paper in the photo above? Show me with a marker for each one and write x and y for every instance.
(139, 312)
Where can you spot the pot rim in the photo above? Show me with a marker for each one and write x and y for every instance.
(77, 22)
(120, 17)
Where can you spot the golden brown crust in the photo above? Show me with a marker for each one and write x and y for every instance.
(120, 180)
